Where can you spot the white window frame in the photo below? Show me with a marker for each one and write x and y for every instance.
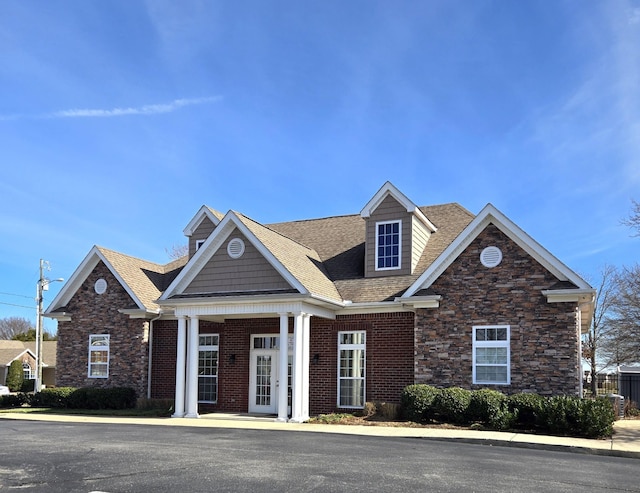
(492, 344)
(199, 243)
(27, 371)
(353, 347)
(212, 348)
(95, 348)
(377, 256)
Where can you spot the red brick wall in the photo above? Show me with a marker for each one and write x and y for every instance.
(544, 342)
(92, 313)
(389, 358)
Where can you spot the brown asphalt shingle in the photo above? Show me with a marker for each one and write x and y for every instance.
(326, 255)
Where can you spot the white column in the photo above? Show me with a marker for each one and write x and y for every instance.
(283, 368)
(306, 336)
(192, 371)
(297, 414)
(180, 368)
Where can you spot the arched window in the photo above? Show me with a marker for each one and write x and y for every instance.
(26, 370)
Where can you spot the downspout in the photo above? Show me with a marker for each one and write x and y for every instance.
(150, 359)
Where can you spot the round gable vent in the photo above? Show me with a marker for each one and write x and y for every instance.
(100, 286)
(235, 248)
(491, 256)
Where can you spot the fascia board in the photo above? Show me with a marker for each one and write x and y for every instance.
(197, 219)
(491, 215)
(77, 278)
(211, 246)
(389, 189)
(80, 275)
(569, 295)
(431, 301)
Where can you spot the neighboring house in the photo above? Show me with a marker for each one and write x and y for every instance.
(26, 352)
(367, 304)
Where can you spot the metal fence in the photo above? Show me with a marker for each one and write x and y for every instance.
(629, 386)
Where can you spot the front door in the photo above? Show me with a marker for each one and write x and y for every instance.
(263, 397)
(264, 378)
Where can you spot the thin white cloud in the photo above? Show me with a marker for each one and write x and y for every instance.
(150, 109)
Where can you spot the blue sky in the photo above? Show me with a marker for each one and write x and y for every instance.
(119, 119)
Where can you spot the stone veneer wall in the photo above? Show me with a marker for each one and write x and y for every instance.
(92, 313)
(544, 336)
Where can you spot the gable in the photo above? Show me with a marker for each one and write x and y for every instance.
(388, 210)
(249, 273)
(200, 234)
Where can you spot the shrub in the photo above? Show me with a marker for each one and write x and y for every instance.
(145, 404)
(526, 408)
(596, 418)
(55, 397)
(416, 402)
(27, 385)
(368, 410)
(452, 405)
(490, 407)
(573, 416)
(99, 398)
(13, 400)
(15, 376)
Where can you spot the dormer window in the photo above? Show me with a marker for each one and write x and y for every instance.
(199, 243)
(388, 247)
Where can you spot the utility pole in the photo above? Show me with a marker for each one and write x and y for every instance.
(42, 285)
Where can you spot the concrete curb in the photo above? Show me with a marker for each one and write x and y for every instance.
(629, 449)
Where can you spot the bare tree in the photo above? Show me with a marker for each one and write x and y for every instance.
(12, 326)
(600, 328)
(633, 221)
(177, 251)
(623, 344)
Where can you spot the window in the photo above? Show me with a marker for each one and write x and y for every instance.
(99, 356)
(491, 354)
(208, 367)
(388, 245)
(26, 371)
(351, 369)
(199, 243)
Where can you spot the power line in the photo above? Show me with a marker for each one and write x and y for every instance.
(17, 295)
(13, 304)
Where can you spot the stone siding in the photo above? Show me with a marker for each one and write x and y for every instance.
(544, 336)
(93, 313)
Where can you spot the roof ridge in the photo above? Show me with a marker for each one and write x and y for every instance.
(275, 232)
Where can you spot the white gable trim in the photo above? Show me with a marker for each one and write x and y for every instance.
(490, 215)
(80, 275)
(389, 189)
(204, 212)
(211, 246)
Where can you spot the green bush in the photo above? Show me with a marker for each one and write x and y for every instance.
(416, 402)
(452, 405)
(573, 416)
(56, 397)
(99, 398)
(27, 385)
(490, 407)
(526, 408)
(15, 376)
(13, 400)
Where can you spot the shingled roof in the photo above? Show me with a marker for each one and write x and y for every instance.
(325, 255)
(339, 242)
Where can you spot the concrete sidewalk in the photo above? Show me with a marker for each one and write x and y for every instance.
(625, 441)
